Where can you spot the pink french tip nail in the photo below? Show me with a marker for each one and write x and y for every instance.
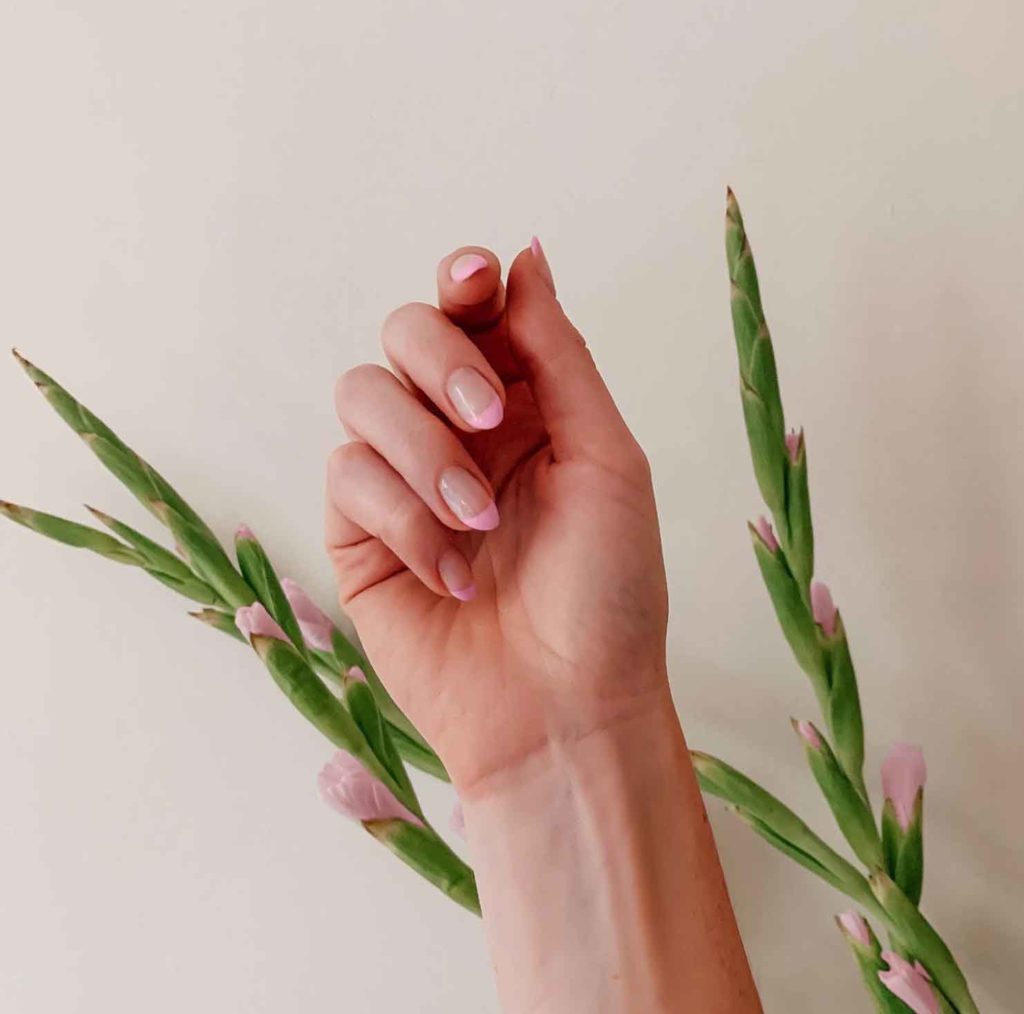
(486, 520)
(456, 575)
(468, 500)
(542, 262)
(474, 398)
(466, 265)
(535, 247)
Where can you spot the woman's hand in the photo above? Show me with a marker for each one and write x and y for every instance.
(496, 543)
(492, 524)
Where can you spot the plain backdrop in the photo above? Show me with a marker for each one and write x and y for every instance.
(207, 208)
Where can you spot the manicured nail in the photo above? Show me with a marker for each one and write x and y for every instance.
(542, 262)
(474, 398)
(456, 575)
(466, 265)
(469, 501)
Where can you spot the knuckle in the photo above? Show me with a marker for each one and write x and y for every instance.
(397, 527)
(347, 458)
(404, 321)
(354, 382)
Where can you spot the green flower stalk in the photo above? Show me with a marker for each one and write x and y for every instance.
(817, 637)
(237, 603)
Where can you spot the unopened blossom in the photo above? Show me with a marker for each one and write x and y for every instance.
(316, 626)
(808, 734)
(255, 621)
(910, 983)
(763, 527)
(856, 927)
(903, 777)
(349, 788)
(823, 607)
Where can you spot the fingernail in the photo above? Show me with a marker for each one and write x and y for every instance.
(469, 501)
(456, 575)
(542, 262)
(474, 398)
(466, 265)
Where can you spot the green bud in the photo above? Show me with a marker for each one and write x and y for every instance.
(843, 710)
(260, 577)
(206, 557)
(363, 708)
(851, 812)
(70, 533)
(224, 622)
(429, 856)
(795, 618)
(799, 532)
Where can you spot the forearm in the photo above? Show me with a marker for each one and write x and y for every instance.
(600, 881)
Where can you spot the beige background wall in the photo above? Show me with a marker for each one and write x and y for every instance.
(205, 211)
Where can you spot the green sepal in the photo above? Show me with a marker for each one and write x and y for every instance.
(848, 807)
(259, 574)
(795, 618)
(843, 712)
(429, 856)
(923, 942)
(71, 533)
(206, 557)
(798, 537)
(363, 708)
(904, 850)
(224, 622)
(767, 451)
(141, 479)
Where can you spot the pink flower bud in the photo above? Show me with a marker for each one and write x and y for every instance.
(254, 621)
(763, 527)
(910, 983)
(793, 442)
(458, 820)
(808, 734)
(244, 532)
(823, 608)
(316, 627)
(350, 789)
(903, 776)
(357, 674)
(855, 925)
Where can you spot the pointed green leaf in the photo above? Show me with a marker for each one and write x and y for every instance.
(767, 453)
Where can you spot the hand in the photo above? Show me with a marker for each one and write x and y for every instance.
(492, 524)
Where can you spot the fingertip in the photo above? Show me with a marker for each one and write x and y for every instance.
(469, 289)
(456, 575)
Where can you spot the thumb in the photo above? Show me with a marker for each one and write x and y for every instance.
(576, 407)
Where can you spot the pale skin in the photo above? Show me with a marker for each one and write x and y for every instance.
(528, 645)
